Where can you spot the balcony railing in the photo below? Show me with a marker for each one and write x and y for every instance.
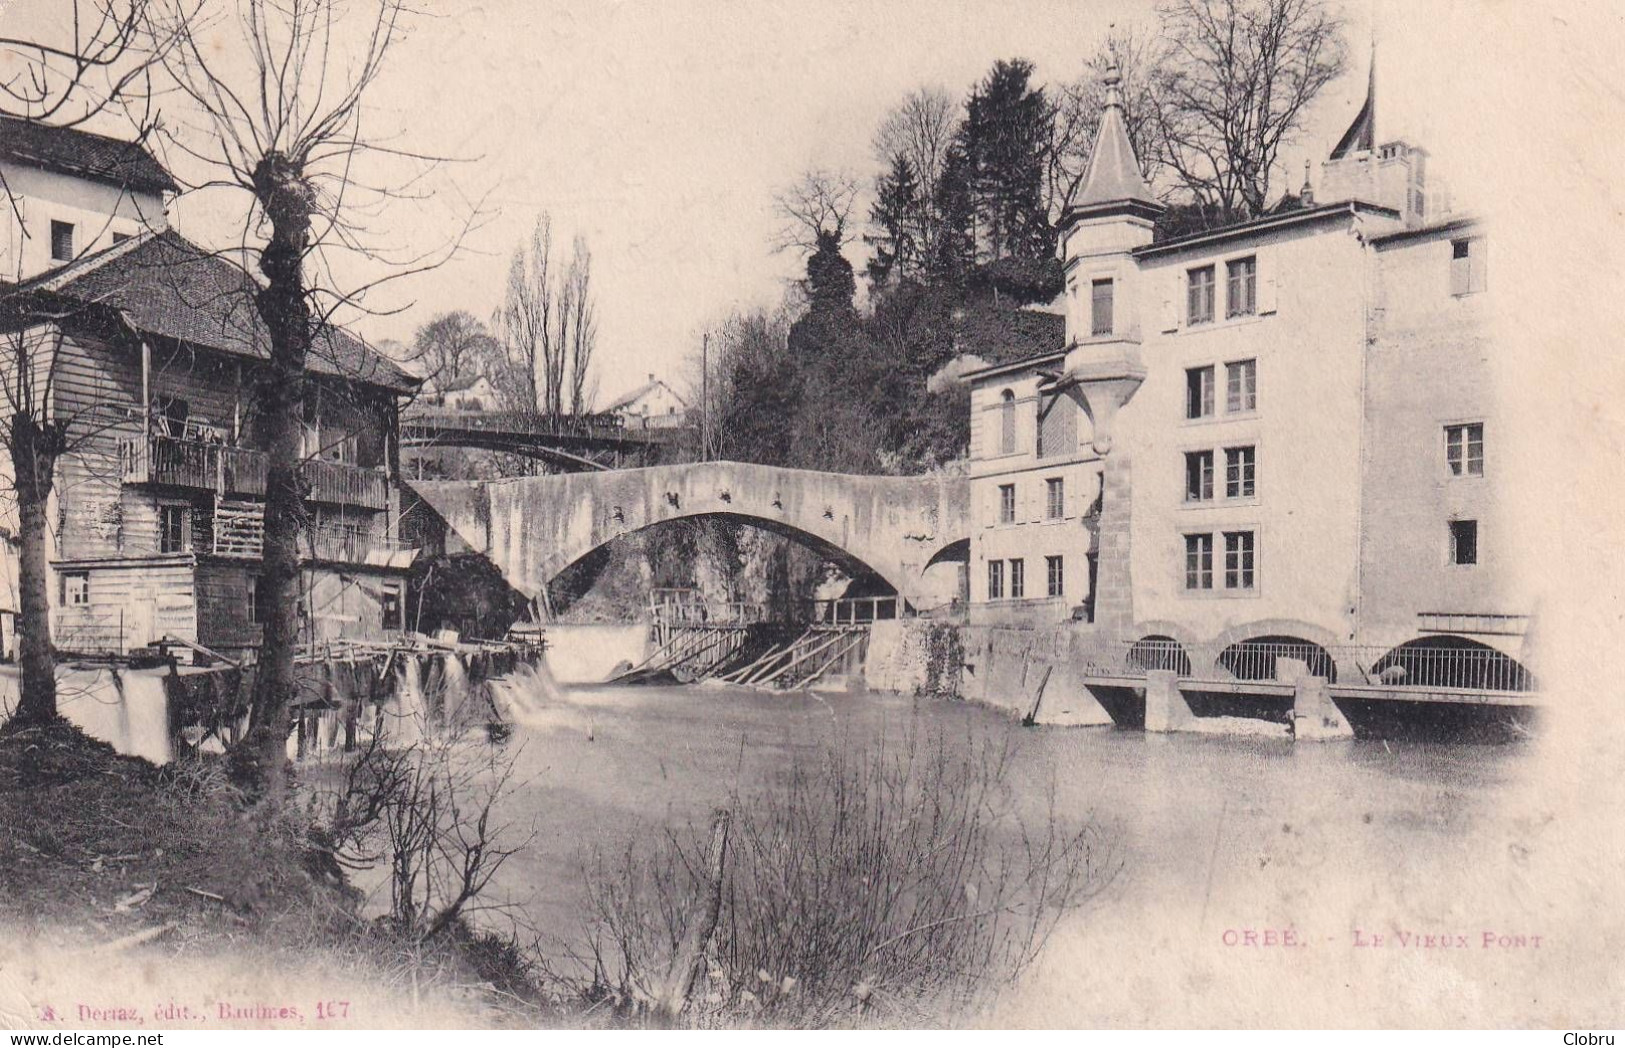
(199, 464)
(350, 545)
(339, 484)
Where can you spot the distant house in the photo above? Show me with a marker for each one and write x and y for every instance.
(469, 393)
(653, 405)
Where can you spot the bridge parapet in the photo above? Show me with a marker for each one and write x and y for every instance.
(533, 528)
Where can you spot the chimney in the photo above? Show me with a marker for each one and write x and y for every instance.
(651, 378)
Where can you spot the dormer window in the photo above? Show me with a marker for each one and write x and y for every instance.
(61, 241)
(1100, 308)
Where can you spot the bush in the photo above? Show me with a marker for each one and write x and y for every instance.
(887, 886)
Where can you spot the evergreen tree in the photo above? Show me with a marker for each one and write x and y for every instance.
(895, 217)
(1005, 138)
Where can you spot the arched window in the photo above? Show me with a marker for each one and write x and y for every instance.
(1007, 423)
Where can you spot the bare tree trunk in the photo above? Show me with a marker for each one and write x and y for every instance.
(34, 462)
(261, 761)
(685, 964)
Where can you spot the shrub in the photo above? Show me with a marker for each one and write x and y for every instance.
(881, 886)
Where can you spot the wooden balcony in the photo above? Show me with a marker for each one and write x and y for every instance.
(196, 464)
(338, 484)
(233, 471)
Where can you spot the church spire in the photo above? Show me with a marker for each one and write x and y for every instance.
(1361, 135)
(1113, 182)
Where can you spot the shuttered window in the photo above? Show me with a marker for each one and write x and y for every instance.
(1467, 266)
(1058, 427)
(1007, 423)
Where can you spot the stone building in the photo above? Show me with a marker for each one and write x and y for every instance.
(1281, 430)
(148, 347)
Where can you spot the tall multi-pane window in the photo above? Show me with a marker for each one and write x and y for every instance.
(1007, 423)
(1198, 476)
(172, 522)
(995, 580)
(1198, 392)
(1241, 287)
(1018, 578)
(1240, 472)
(1199, 295)
(1100, 307)
(1055, 576)
(1054, 498)
(1007, 503)
(1238, 560)
(1241, 386)
(1198, 562)
(1464, 449)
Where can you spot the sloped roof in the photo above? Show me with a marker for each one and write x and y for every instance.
(163, 285)
(457, 385)
(1113, 179)
(628, 399)
(83, 153)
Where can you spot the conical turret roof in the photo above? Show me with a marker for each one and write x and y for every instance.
(1113, 182)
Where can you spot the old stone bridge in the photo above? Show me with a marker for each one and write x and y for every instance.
(908, 531)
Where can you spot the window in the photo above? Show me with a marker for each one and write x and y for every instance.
(392, 608)
(1241, 386)
(76, 588)
(1198, 476)
(1464, 449)
(1007, 503)
(61, 241)
(1007, 423)
(1058, 427)
(1240, 472)
(1055, 572)
(1464, 542)
(995, 580)
(1198, 562)
(1467, 269)
(1100, 308)
(255, 600)
(1241, 287)
(1018, 578)
(119, 238)
(1199, 295)
(1054, 498)
(1198, 392)
(172, 528)
(1238, 560)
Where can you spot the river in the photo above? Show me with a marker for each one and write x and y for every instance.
(1230, 846)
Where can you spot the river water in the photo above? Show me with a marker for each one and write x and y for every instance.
(1230, 847)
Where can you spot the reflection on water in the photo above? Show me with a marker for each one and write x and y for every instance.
(1217, 833)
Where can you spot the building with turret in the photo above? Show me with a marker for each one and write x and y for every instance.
(1276, 432)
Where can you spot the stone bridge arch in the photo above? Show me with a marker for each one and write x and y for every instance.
(532, 528)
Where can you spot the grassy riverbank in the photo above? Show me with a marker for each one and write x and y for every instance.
(106, 859)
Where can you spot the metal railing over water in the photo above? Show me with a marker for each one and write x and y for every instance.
(1417, 665)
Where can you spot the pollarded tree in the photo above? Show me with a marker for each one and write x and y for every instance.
(279, 86)
(92, 62)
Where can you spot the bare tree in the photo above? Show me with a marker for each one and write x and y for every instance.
(920, 129)
(279, 86)
(100, 65)
(1077, 115)
(1236, 78)
(452, 345)
(527, 317)
(818, 203)
(583, 325)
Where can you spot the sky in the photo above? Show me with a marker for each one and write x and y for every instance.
(660, 131)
